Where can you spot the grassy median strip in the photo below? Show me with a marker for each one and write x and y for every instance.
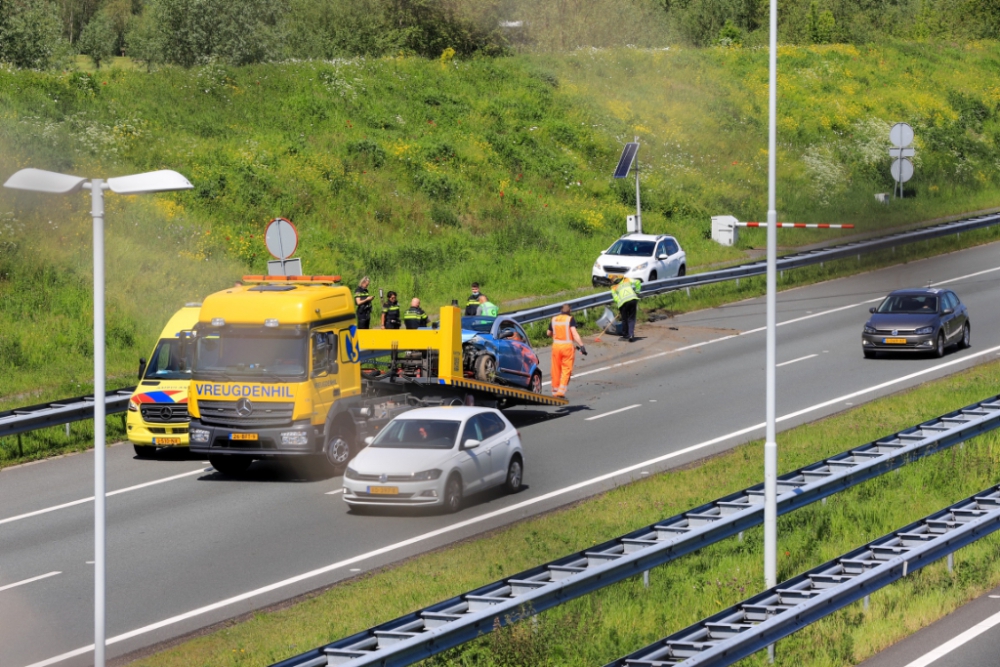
(626, 616)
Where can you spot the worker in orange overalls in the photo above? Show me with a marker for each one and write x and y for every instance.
(563, 332)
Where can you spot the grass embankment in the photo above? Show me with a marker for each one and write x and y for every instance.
(625, 617)
(428, 175)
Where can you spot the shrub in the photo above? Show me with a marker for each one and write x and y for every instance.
(29, 33)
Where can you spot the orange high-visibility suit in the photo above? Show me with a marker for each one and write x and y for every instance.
(563, 353)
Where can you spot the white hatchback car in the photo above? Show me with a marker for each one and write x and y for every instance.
(436, 457)
(643, 256)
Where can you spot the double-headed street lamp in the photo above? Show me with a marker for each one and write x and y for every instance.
(38, 180)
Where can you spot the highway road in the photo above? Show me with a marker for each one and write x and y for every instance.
(968, 637)
(188, 548)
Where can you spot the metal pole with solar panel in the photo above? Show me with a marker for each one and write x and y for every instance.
(630, 156)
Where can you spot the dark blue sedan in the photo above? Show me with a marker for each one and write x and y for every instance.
(917, 320)
(496, 349)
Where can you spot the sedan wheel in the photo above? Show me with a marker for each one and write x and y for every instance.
(453, 495)
(536, 383)
(966, 336)
(682, 271)
(515, 474)
(939, 350)
(652, 276)
(486, 368)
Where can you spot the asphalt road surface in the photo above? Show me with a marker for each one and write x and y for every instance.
(188, 548)
(968, 637)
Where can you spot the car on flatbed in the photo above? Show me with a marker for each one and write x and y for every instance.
(927, 320)
(496, 349)
(644, 257)
(436, 457)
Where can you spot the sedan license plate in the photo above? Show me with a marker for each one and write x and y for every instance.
(383, 490)
(166, 441)
(894, 341)
(242, 436)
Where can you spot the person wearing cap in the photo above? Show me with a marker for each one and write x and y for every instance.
(363, 302)
(565, 342)
(415, 316)
(626, 297)
(390, 312)
(485, 308)
(472, 304)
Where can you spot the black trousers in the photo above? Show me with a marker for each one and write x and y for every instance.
(628, 312)
(364, 321)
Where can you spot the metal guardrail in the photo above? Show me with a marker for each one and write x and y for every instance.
(793, 261)
(759, 621)
(21, 420)
(426, 632)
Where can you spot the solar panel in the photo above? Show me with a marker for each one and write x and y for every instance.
(628, 156)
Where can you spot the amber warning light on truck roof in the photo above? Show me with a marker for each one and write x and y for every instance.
(292, 279)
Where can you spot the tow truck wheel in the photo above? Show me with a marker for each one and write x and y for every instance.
(486, 368)
(144, 451)
(536, 383)
(230, 465)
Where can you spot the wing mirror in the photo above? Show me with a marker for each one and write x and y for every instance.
(142, 367)
(662, 256)
(369, 440)
(471, 443)
(506, 333)
(948, 311)
(872, 309)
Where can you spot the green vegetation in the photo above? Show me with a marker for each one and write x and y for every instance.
(423, 174)
(625, 617)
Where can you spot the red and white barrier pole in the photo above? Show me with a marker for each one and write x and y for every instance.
(798, 225)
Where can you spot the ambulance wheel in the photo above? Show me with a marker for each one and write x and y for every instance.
(536, 382)
(230, 465)
(144, 451)
(486, 368)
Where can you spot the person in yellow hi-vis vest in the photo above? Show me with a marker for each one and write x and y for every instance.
(563, 332)
(626, 296)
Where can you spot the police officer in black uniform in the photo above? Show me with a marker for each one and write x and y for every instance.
(363, 302)
(472, 304)
(390, 312)
(415, 317)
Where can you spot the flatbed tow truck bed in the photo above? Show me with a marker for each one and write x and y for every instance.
(462, 389)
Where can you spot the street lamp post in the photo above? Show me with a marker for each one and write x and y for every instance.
(37, 180)
(770, 438)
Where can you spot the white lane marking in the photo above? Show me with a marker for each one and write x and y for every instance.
(28, 581)
(613, 412)
(956, 642)
(971, 275)
(107, 495)
(334, 492)
(785, 363)
(517, 507)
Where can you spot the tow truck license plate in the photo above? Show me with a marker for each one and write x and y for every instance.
(242, 436)
(166, 441)
(383, 490)
(894, 341)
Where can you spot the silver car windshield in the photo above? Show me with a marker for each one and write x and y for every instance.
(909, 304)
(418, 434)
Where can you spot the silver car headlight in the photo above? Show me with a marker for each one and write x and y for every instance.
(641, 266)
(351, 473)
(869, 329)
(924, 330)
(597, 265)
(426, 475)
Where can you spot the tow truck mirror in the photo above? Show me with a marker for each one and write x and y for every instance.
(471, 443)
(142, 367)
(333, 367)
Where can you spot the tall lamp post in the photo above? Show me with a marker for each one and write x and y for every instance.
(37, 180)
(770, 438)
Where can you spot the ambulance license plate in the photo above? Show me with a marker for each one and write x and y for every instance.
(383, 490)
(242, 436)
(166, 441)
(894, 341)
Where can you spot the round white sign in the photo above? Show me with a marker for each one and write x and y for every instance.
(902, 170)
(281, 238)
(901, 135)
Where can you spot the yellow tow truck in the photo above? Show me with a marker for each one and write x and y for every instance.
(158, 408)
(281, 371)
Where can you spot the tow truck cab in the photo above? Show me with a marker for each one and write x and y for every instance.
(280, 370)
(158, 408)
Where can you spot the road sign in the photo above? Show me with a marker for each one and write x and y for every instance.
(281, 238)
(902, 170)
(901, 152)
(901, 135)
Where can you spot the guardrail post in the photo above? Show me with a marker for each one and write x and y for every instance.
(951, 563)
(67, 429)
(20, 450)
(645, 577)
(867, 602)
